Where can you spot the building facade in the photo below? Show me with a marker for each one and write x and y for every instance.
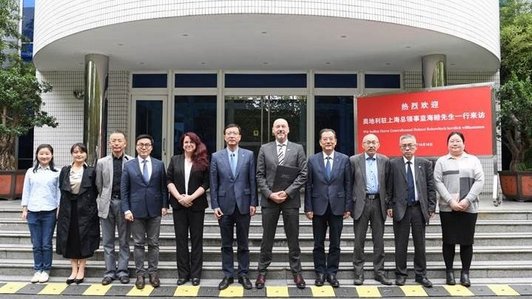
(175, 66)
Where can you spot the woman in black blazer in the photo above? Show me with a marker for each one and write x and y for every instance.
(188, 180)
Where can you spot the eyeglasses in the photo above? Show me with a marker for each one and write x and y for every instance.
(410, 145)
(144, 145)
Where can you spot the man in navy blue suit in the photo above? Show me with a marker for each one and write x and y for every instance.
(144, 198)
(327, 202)
(234, 200)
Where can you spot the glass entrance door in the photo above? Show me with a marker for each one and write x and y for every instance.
(255, 115)
(149, 118)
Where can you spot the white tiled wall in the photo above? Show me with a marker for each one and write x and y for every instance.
(68, 110)
(475, 21)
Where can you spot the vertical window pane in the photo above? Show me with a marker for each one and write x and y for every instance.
(149, 121)
(195, 114)
(336, 112)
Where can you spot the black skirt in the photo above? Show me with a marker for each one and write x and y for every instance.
(458, 227)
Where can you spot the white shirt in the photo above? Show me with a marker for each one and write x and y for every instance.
(188, 169)
(148, 164)
(325, 159)
(412, 166)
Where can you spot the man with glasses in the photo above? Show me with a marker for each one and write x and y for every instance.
(234, 200)
(412, 203)
(144, 199)
(370, 171)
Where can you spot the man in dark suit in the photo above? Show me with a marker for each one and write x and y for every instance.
(234, 200)
(327, 202)
(370, 171)
(287, 201)
(108, 176)
(412, 202)
(144, 198)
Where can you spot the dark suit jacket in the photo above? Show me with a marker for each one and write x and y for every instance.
(398, 188)
(143, 200)
(267, 165)
(358, 164)
(229, 192)
(176, 175)
(336, 191)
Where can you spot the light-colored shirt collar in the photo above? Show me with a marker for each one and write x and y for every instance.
(141, 160)
(285, 143)
(47, 167)
(325, 155)
(229, 152)
(366, 156)
(411, 160)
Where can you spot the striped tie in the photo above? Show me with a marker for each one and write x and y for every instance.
(280, 154)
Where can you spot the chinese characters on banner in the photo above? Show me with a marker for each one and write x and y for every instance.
(430, 115)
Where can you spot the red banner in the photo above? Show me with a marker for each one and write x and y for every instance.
(429, 115)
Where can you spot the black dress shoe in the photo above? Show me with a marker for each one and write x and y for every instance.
(464, 280)
(195, 281)
(261, 280)
(300, 282)
(400, 280)
(331, 278)
(154, 280)
(245, 282)
(139, 284)
(182, 281)
(124, 279)
(449, 278)
(225, 283)
(359, 280)
(424, 281)
(79, 280)
(107, 280)
(320, 279)
(70, 281)
(382, 279)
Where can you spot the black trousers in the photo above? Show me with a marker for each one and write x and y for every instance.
(327, 264)
(189, 264)
(413, 219)
(227, 226)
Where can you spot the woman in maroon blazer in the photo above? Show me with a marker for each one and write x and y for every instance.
(188, 180)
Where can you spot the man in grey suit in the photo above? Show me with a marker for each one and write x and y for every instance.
(412, 202)
(370, 171)
(144, 201)
(287, 201)
(234, 200)
(327, 202)
(108, 175)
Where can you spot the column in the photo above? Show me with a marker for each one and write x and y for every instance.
(94, 126)
(434, 70)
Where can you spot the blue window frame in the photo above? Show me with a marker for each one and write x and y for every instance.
(196, 114)
(266, 80)
(195, 80)
(149, 81)
(335, 80)
(383, 81)
(335, 112)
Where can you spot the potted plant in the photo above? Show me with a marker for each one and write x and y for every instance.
(20, 99)
(514, 119)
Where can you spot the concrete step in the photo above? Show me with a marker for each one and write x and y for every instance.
(306, 239)
(280, 270)
(305, 227)
(212, 254)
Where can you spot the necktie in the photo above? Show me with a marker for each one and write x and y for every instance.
(280, 154)
(410, 183)
(233, 164)
(145, 174)
(328, 167)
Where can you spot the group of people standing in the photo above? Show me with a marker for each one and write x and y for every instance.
(129, 195)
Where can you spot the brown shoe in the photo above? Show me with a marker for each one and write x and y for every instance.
(154, 280)
(261, 280)
(140, 282)
(300, 282)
